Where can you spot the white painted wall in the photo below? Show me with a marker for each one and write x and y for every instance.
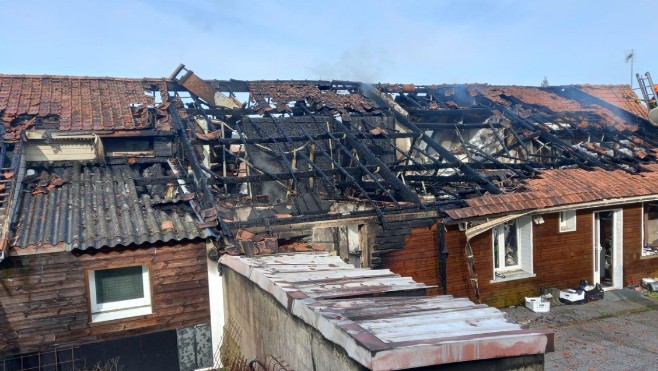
(216, 299)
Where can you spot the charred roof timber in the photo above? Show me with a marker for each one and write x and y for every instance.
(282, 152)
(387, 145)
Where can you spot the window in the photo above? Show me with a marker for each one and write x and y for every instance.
(650, 245)
(127, 147)
(512, 249)
(119, 293)
(568, 221)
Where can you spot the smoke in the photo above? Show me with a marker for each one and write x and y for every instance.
(359, 64)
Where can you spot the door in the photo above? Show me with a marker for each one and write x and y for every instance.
(608, 241)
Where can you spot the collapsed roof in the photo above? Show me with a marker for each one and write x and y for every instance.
(262, 153)
(300, 149)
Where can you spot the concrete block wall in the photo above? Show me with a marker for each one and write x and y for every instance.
(267, 328)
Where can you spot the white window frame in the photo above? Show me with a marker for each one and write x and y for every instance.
(643, 226)
(568, 221)
(501, 252)
(120, 309)
(524, 268)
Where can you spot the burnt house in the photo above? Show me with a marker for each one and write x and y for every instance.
(486, 191)
(477, 191)
(104, 254)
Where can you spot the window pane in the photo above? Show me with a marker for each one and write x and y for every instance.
(651, 232)
(568, 221)
(511, 245)
(119, 284)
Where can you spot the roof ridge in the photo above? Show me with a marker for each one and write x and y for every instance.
(27, 76)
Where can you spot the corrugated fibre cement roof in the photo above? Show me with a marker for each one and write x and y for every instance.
(94, 206)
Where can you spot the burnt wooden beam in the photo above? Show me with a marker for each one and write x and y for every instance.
(384, 171)
(318, 170)
(571, 92)
(467, 115)
(296, 219)
(579, 156)
(349, 176)
(455, 125)
(442, 151)
(206, 200)
(440, 179)
(274, 139)
(443, 257)
(217, 179)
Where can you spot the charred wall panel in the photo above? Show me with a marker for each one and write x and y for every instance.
(43, 297)
(417, 255)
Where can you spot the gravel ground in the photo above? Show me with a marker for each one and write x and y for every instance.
(617, 333)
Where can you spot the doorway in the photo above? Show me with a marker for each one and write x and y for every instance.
(608, 241)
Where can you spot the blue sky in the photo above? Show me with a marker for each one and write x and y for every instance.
(462, 41)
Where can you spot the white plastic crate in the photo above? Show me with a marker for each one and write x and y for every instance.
(537, 305)
(572, 295)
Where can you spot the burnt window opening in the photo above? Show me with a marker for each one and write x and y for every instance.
(128, 147)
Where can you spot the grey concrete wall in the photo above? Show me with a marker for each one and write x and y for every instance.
(269, 329)
(194, 347)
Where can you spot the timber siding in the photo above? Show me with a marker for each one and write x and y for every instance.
(560, 260)
(636, 267)
(44, 300)
(418, 259)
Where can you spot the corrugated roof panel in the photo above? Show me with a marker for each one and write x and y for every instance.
(98, 206)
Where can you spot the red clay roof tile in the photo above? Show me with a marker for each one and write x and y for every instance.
(565, 187)
(79, 103)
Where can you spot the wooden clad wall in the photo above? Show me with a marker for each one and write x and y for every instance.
(418, 258)
(560, 260)
(44, 304)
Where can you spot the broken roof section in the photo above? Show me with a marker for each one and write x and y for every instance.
(307, 148)
(263, 153)
(67, 103)
(372, 315)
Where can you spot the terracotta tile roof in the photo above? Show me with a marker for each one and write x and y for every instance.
(282, 93)
(536, 100)
(75, 103)
(621, 96)
(564, 187)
